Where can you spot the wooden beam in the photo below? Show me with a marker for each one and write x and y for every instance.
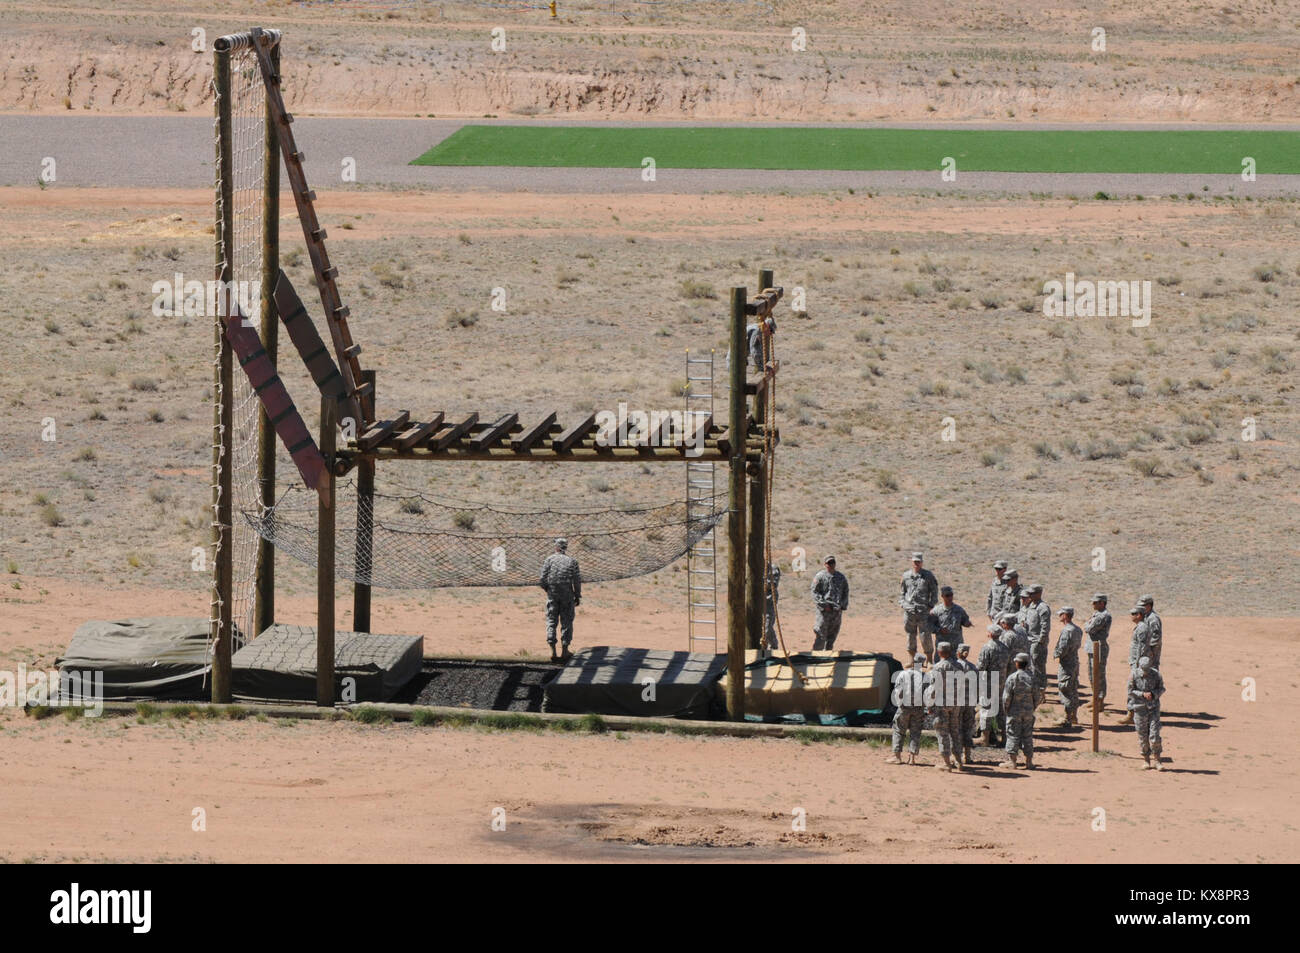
(382, 431)
(454, 433)
(222, 621)
(418, 434)
(533, 434)
(736, 548)
(364, 552)
(325, 546)
(566, 440)
(494, 432)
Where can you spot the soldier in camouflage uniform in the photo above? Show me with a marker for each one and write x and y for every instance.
(1038, 623)
(1156, 628)
(1018, 703)
(771, 597)
(1010, 594)
(1015, 639)
(909, 715)
(1145, 686)
(1098, 629)
(972, 701)
(997, 591)
(1138, 648)
(945, 674)
(992, 665)
(948, 618)
(830, 590)
(920, 592)
(1067, 654)
(563, 584)
(754, 342)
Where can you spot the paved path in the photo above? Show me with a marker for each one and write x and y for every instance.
(176, 151)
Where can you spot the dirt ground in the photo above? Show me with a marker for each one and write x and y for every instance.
(913, 61)
(126, 791)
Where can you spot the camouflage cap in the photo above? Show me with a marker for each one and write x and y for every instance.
(561, 543)
(1022, 657)
(828, 559)
(1066, 610)
(918, 557)
(1144, 663)
(1008, 617)
(993, 629)
(943, 646)
(1147, 600)
(1012, 572)
(945, 590)
(1137, 610)
(1099, 597)
(1036, 589)
(1000, 564)
(919, 657)
(962, 648)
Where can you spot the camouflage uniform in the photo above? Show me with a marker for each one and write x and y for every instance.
(1067, 676)
(1146, 714)
(909, 716)
(946, 622)
(920, 593)
(1038, 623)
(995, 601)
(1016, 640)
(993, 666)
(968, 711)
(947, 714)
(563, 584)
(772, 596)
(1156, 637)
(1098, 629)
(830, 591)
(1018, 703)
(1139, 645)
(1011, 599)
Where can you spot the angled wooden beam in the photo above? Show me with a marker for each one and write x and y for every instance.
(418, 433)
(306, 340)
(573, 435)
(450, 436)
(533, 434)
(382, 431)
(494, 432)
(701, 431)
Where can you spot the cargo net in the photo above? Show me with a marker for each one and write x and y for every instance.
(413, 541)
(242, 254)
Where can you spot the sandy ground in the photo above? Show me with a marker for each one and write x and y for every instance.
(115, 789)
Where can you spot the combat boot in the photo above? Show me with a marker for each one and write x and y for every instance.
(1074, 717)
(988, 737)
(1126, 720)
(554, 657)
(1146, 763)
(894, 759)
(1010, 763)
(911, 757)
(969, 756)
(565, 654)
(1155, 761)
(1029, 761)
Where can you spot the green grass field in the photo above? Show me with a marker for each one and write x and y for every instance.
(975, 150)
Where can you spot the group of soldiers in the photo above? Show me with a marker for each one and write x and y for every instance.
(1013, 657)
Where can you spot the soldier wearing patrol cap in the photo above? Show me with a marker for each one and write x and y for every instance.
(1011, 592)
(1156, 639)
(948, 618)
(909, 713)
(968, 710)
(997, 591)
(1137, 650)
(1145, 686)
(830, 592)
(563, 584)
(1015, 639)
(1098, 630)
(946, 711)
(920, 593)
(993, 665)
(1018, 703)
(1067, 654)
(1036, 617)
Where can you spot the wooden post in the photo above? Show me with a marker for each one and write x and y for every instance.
(757, 581)
(325, 561)
(1096, 678)
(223, 397)
(264, 581)
(364, 554)
(736, 554)
(766, 279)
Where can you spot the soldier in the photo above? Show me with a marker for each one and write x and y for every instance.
(1018, 703)
(1067, 676)
(920, 593)
(1156, 628)
(992, 665)
(754, 340)
(563, 584)
(1038, 623)
(971, 674)
(1098, 629)
(1015, 639)
(1011, 594)
(909, 716)
(771, 597)
(945, 674)
(997, 591)
(948, 619)
(830, 591)
(1145, 686)
(1137, 649)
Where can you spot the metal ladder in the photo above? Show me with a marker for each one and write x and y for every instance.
(701, 491)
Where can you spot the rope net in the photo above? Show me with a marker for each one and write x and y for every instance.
(421, 542)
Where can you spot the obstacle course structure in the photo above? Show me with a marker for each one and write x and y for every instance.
(253, 411)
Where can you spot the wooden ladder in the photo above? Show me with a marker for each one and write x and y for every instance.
(360, 401)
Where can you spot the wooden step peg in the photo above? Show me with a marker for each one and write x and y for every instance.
(318, 235)
(330, 273)
(288, 119)
(309, 195)
(352, 350)
(341, 313)
(300, 156)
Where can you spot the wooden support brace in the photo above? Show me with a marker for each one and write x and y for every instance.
(419, 433)
(382, 431)
(494, 433)
(566, 440)
(533, 434)
(450, 436)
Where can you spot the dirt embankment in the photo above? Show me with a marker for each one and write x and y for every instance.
(905, 67)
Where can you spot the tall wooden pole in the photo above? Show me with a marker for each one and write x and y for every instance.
(364, 555)
(264, 581)
(1096, 678)
(757, 580)
(325, 560)
(736, 553)
(223, 397)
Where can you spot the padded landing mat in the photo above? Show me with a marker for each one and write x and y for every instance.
(163, 657)
(608, 680)
(281, 664)
(836, 687)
